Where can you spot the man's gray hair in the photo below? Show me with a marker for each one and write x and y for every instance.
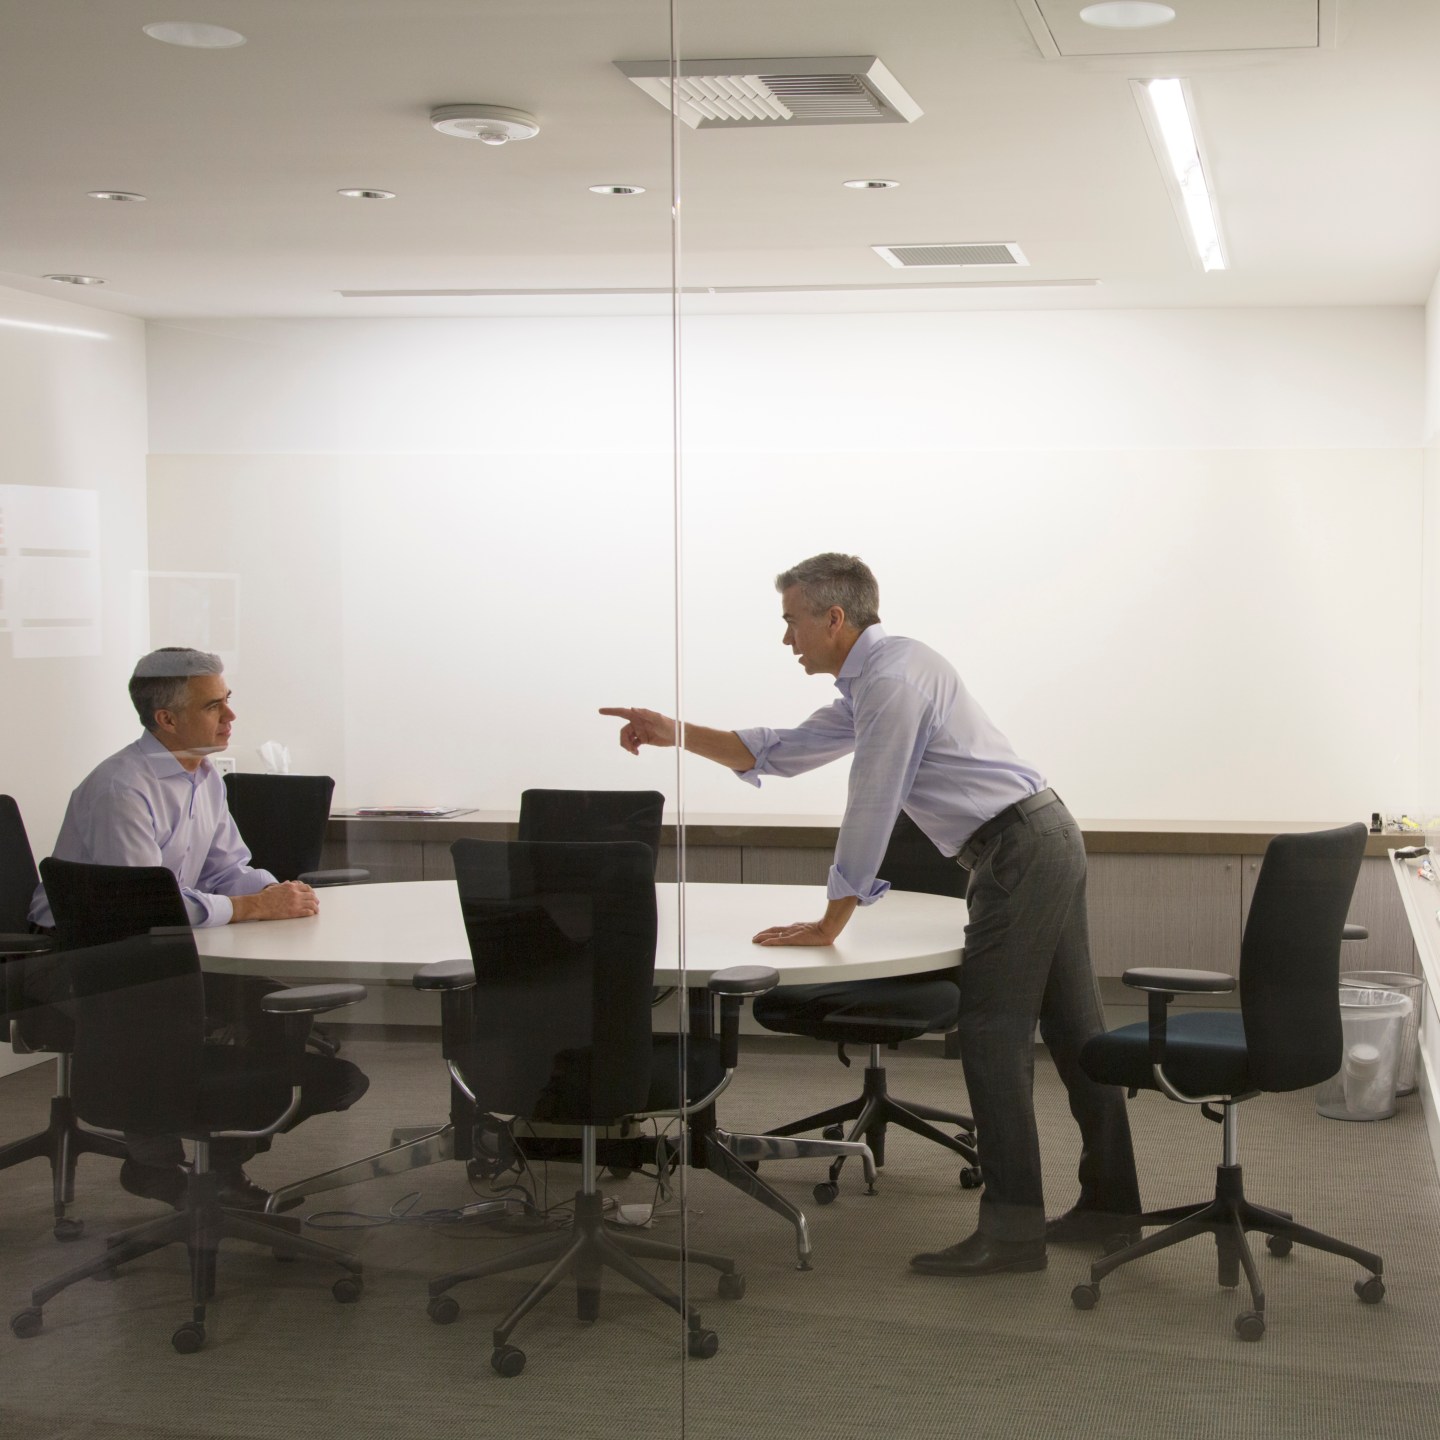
(833, 579)
(160, 678)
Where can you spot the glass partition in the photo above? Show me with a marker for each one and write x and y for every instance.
(412, 482)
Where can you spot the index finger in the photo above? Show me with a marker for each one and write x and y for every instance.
(621, 712)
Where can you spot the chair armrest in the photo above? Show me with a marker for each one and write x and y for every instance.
(1179, 982)
(12, 946)
(743, 980)
(446, 975)
(732, 985)
(319, 879)
(1355, 932)
(311, 999)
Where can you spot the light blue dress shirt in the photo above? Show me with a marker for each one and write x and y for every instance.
(142, 807)
(921, 744)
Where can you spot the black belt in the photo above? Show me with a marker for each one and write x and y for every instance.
(1011, 815)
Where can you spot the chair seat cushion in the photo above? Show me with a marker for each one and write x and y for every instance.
(868, 1012)
(1205, 1054)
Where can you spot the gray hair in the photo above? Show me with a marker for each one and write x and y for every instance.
(160, 678)
(834, 579)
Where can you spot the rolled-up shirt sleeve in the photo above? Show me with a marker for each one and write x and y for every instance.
(893, 723)
(824, 736)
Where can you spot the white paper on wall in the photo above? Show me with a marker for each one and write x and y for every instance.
(50, 571)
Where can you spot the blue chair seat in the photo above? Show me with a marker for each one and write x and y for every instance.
(1205, 1054)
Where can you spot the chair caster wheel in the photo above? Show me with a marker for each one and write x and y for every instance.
(67, 1230)
(834, 1132)
(188, 1338)
(702, 1344)
(507, 1360)
(1250, 1325)
(1085, 1297)
(587, 1306)
(1114, 1244)
(753, 1166)
(825, 1192)
(348, 1289)
(25, 1324)
(1279, 1246)
(1371, 1291)
(732, 1286)
(445, 1310)
(619, 1172)
(970, 1178)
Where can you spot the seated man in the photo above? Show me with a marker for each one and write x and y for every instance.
(160, 801)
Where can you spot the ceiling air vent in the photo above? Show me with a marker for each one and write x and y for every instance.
(740, 94)
(936, 257)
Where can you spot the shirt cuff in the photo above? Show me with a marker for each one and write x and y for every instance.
(208, 910)
(759, 741)
(837, 887)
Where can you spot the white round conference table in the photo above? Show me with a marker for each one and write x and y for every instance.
(382, 934)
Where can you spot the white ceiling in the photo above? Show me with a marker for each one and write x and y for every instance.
(1323, 158)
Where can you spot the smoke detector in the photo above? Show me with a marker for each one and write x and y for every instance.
(489, 124)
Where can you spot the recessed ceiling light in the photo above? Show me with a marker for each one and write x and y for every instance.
(871, 184)
(617, 189)
(196, 36)
(76, 279)
(367, 194)
(114, 195)
(1127, 15)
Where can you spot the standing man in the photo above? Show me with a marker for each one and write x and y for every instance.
(160, 801)
(921, 744)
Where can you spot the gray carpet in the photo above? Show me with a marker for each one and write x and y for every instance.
(857, 1347)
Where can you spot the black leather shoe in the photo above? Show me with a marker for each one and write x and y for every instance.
(982, 1255)
(237, 1191)
(155, 1182)
(1091, 1227)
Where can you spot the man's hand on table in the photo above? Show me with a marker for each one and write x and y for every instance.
(289, 900)
(811, 932)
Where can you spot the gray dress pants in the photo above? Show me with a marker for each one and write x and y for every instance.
(1027, 958)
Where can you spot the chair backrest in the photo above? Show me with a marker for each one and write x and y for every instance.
(17, 870)
(1290, 956)
(281, 819)
(138, 1006)
(562, 937)
(593, 815)
(99, 904)
(913, 863)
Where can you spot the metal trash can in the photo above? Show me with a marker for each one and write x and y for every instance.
(1413, 987)
(1373, 1022)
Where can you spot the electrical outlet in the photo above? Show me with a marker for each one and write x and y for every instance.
(225, 764)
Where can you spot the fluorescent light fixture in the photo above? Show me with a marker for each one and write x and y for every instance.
(367, 194)
(1127, 15)
(114, 195)
(75, 279)
(1168, 118)
(194, 35)
(52, 329)
(871, 184)
(617, 189)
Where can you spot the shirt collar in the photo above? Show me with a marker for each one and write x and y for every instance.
(860, 652)
(163, 761)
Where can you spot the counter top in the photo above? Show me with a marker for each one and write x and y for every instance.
(1114, 837)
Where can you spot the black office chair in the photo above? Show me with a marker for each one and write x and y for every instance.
(141, 1064)
(33, 1026)
(282, 820)
(1285, 1036)
(592, 815)
(550, 1021)
(881, 1012)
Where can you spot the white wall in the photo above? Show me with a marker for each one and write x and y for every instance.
(1430, 569)
(73, 414)
(1176, 554)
